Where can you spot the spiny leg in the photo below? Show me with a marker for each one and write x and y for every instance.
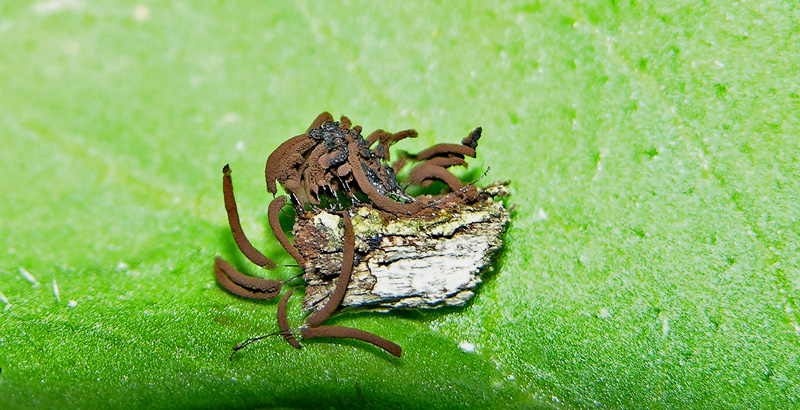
(341, 332)
(242, 285)
(316, 318)
(253, 254)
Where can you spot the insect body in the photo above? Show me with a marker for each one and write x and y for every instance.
(332, 168)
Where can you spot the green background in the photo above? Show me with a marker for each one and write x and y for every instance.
(652, 260)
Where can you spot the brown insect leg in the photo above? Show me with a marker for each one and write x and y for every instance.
(274, 209)
(341, 332)
(239, 237)
(242, 285)
(316, 318)
(283, 322)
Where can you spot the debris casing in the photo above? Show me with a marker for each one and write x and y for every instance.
(421, 262)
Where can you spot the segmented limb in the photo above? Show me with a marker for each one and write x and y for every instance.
(242, 285)
(341, 332)
(247, 248)
(316, 318)
(272, 214)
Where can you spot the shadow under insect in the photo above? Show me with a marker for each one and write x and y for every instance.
(362, 240)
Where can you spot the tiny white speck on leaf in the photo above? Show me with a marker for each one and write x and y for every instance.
(56, 292)
(240, 146)
(467, 347)
(4, 300)
(141, 13)
(72, 303)
(122, 266)
(54, 6)
(27, 275)
(604, 313)
(229, 118)
(664, 327)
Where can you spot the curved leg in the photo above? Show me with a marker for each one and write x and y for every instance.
(341, 332)
(242, 285)
(316, 318)
(253, 254)
(274, 209)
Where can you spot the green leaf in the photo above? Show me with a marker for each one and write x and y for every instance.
(653, 259)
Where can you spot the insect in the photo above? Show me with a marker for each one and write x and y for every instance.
(333, 168)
